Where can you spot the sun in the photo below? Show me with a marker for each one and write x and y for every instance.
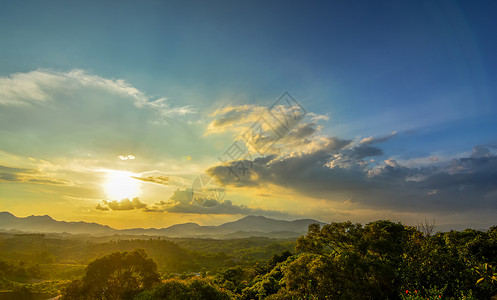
(121, 185)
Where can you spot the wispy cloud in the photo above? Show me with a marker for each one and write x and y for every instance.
(163, 107)
(234, 118)
(164, 180)
(50, 114)
(20, 175)
(375, 140)
(44, 86)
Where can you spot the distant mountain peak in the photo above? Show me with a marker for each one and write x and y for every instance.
(249, 225)
(44, 217)
(189, 224)
(252, 217)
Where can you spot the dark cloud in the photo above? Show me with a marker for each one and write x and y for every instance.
(12, 174)
(300, 135)
(263, 195)
(300, 159)
(303, 131)
(50, 181)
(182, 202)
(102, 208)
(154, 179)
(124, 204)
(365, 151)
(12, 170)
(480, 151)
(11, 177)
(334, 169)
(304, 170)
(21, 175)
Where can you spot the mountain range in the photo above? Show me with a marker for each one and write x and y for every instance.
(244, 227)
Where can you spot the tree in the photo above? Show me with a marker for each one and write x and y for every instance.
(192, 289)
(120, 275)
(348, 261)
(278, 258)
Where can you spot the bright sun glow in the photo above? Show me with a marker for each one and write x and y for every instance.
(120, 185)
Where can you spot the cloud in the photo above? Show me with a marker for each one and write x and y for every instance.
(303, 131)
(365, 151)
(44, 86)
(231, 118)
(11, 174)
(20, 175)
(163, 107)
(283, 127)
(102, 208)
(182, 202)
(467, 183)
(291, 169)
(481, 151)
(124, 204)
(50, 114)
(126, 157)
(313, 165)
(375, 140)
(334, 170)
(154, 179)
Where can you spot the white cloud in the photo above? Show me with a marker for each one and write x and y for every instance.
(49, 114)
(374, 140)
(283, 128)
(126, 157)
(42, 86)
(26, 88)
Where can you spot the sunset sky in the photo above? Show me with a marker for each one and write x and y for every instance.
(111, 111)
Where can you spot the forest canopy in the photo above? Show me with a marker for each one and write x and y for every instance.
(378, 260)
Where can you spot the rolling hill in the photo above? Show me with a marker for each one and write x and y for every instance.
(244, 227)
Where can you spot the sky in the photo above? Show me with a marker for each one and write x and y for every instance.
(153, 113)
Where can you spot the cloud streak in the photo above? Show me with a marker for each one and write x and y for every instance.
(43, 86)
(375, 140)
(20, 175)
(163, 180)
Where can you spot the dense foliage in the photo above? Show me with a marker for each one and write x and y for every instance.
(383, 260)
(36, 266)
(120, 275)
(379, 260)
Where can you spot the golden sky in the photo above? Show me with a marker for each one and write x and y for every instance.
(151, 114)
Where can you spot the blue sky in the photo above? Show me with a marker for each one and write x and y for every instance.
(422, 69)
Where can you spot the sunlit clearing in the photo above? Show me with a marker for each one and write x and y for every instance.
(120, 185)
